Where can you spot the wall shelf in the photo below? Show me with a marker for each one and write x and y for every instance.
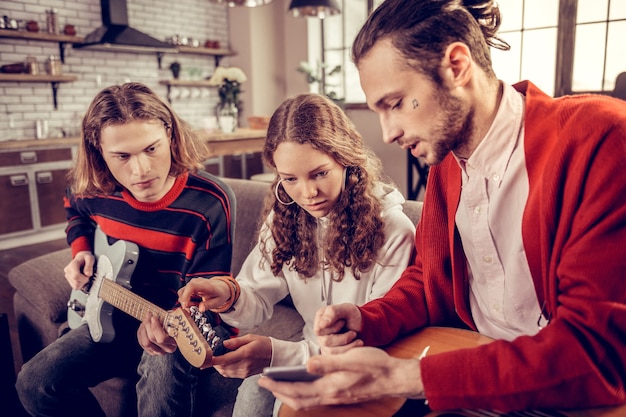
(184, 83)
(61, 39)
(54, 81)
(217, 53)
(175, 49)
(187, 83)
(78, 42)
(39, 78)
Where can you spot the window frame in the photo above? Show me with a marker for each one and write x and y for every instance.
(565, 49)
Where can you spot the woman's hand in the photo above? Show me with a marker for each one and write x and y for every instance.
(250, 354)
(360, 374)
(80, 269)
(204, 293)
(336, 327)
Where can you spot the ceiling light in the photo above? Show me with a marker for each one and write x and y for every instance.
(241, 3)
(314, 8)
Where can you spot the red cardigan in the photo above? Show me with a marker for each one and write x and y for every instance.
(574, 233)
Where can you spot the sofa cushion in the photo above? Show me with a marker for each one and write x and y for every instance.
(42, 293)
(42, 281)
(249, 208)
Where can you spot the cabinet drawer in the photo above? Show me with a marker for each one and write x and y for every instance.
(51, 187)
(233, 165)
(32, 157)
(15, 204)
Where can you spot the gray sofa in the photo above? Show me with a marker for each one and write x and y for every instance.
(42, 294)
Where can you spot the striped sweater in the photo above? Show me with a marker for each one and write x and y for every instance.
(186, 234)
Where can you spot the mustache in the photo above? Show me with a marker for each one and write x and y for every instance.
(408, 142)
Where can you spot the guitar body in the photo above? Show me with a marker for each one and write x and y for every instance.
(198, 336)
(438, 340)
(115, 263)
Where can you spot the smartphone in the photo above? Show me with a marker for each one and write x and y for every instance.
(289, 373)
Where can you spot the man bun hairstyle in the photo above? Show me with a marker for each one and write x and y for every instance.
(421, 30)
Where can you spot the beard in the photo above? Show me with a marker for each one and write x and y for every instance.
(453, 129)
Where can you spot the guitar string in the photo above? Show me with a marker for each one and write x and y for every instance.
(128, 301)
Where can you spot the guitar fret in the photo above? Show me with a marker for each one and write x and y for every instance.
(129, 302)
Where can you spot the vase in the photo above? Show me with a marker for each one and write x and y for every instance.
(227, 117)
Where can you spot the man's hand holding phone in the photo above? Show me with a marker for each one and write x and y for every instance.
(293, 373)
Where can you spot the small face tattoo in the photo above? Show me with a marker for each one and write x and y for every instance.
(415, 103)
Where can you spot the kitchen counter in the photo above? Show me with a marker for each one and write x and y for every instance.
(241, 141)
(34, 173)
(28, 144)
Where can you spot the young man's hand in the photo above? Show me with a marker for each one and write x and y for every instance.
(360, 374)
(153, 338)
(80, 269)
(337, 326)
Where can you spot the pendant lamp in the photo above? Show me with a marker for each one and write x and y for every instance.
(241, 3)
(314, 8)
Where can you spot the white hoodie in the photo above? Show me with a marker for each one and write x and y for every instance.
(261, 289)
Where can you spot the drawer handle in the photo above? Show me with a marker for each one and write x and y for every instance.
(44, 177)
(28, 157)
(19, 180)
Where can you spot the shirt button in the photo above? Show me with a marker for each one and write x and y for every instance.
(496, 177)
(496, 307)
(478, 210)
(487, 259)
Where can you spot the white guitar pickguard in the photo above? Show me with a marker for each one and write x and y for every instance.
(104, 270)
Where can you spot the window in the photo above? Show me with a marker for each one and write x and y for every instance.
(335, 35)
(599, 48)
(563, 46)
(530, 28)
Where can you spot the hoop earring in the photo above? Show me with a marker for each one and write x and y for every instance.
(278, 198)
(345, 177)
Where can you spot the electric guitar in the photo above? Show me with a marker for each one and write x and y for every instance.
(435, 340)
(196, 337)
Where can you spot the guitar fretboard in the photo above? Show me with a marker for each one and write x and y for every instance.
(129, 302)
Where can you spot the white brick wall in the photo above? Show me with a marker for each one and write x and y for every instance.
(21, 104)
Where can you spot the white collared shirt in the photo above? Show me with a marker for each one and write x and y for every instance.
(489, 218)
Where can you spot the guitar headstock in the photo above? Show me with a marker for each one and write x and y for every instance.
(191, 342)
(212, 330)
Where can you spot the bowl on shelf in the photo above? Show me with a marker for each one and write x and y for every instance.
(17, 68)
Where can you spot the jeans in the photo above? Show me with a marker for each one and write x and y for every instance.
(252, 400)
(56, 381)
(167, 386)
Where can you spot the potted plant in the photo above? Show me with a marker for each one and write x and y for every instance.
(314, 75)
(228, 80)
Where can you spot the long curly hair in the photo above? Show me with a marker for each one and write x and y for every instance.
(118, 105)
(421, 30)
(355, 232)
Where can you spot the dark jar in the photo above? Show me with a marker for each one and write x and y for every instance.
(32, 26)
(69, 30)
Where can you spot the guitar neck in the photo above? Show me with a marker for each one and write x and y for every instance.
(129, 302)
